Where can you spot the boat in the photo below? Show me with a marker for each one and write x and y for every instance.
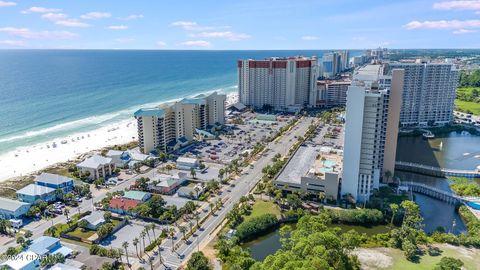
(428, 135)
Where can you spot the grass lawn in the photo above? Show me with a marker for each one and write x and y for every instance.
(393, 259)
(78, 232)
(466, 106)
(264, 207)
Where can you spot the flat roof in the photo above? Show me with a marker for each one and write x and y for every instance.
(187, 159)
(11, 205)
(94, 162)
(52, 178)
(35, 190)
(299, 165)
(150, 112)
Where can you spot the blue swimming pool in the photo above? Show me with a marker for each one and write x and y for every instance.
(474, 205)
(329, 163)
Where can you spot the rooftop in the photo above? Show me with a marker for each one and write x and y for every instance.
(150, 112)
(21, 260)
(35, 190)
(135, 195)
(95, 218)
(11, 205)
(43, 245)
(187, 160)
(52, 178)
(94, 162)
(125, 204)
(299, 165)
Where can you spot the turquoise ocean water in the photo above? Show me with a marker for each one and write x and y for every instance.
(49, 94)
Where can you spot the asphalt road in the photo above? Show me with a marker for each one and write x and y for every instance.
(243, 185)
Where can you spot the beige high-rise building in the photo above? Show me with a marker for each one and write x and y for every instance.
(373, 108)
(173, 125)
(284, 84)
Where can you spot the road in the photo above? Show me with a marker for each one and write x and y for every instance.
(243, 185)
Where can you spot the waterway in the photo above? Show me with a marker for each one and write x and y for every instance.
(454, 150)
(268, 244)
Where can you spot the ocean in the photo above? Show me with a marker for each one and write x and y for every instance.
(50, 94)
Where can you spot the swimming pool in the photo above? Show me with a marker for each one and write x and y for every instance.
(325, 169)
(474, 205)
(329, 163)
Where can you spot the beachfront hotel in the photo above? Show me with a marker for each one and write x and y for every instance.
(372, 117)
(174, 125)
(284, 84)
(429, 92)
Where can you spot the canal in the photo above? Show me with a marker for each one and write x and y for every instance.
(454, 150)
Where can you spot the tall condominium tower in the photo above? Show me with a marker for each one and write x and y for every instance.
(373, 108)
(333, 63)
(280, 83)
(173, 125)
(428, 94)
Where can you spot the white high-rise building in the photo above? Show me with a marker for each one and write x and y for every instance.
(429, 93)
(373, 108)
(280, 83)
(173, 125)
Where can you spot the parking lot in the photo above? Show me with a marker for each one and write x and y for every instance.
(127, 234)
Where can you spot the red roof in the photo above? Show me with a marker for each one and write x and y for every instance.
(125, 204)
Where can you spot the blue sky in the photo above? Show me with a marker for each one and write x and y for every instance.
(239, 24)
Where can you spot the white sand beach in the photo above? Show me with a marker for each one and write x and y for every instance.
(25, 160)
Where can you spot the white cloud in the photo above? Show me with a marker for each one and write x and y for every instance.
(193, 26)
(72, 23)
(124, 40)
(196, 43)
(27, 33)
(224, 35)
(13, 43)
(40, 10)
(7, 4)
(132, 17)
(443, 24)
(117, 27)
(463, 31)
(96, 15)
(309, 38)
(161, 43)
(459, 5)
(54, 16)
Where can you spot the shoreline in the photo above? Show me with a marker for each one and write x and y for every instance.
(25, 161)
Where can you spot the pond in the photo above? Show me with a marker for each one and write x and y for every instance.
(268, 244)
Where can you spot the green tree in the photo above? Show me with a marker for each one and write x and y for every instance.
(135, 243)
(125, 246)
(449, 263)
(193, 173)
(198, 261)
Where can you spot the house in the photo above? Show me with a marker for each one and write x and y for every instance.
(94, 220)
(54, 181)
(137, 195)
(62, 266)
(26, 260)
(167, 184)
(187, 163)
(191, 192)
(137, 156)
(33, 193)
(97, 166)
(122, 206)
(13, 209)
(46, 245)
(119, 158)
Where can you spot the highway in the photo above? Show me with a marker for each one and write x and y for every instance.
(248, 179)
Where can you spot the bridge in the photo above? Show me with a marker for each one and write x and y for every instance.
(435, 171)
(433, 192)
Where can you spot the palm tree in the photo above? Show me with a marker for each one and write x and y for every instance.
(388, 174)
(152, 227)
(212, 209)
(142, 235)
(190, 224)
(172, 234)
(125, 246)
(135, 243)
(193, 173)
(52, 231)
(183, 230)
(146, 229)
(66, 211)
(394, 208)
